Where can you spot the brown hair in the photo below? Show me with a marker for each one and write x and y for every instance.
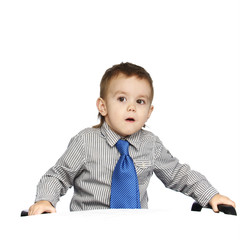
(127, 69)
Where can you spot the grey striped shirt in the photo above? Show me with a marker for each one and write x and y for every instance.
(89, 161)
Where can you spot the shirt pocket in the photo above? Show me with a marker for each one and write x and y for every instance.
(144, 169)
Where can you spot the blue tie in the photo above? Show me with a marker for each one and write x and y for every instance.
(124, 188)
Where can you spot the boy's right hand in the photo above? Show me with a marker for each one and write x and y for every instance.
(41, 207)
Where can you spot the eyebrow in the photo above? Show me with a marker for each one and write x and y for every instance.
(144, 96)
(125, 93)
(119, 92)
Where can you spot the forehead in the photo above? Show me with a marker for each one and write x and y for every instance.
(131, 84)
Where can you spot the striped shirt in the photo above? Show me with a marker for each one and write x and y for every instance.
(89, 161)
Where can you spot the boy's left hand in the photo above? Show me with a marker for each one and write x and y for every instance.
(220, 199)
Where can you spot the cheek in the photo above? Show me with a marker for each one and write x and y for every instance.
(145, 116)
(113, 111)
(144, 111)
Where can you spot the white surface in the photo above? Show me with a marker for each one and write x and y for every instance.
(53, 55)
(129, 224)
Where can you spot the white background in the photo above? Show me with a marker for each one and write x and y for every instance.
(54, 53)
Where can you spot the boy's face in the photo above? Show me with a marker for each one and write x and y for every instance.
(127, 105)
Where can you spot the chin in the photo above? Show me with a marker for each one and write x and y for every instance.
(129, 132)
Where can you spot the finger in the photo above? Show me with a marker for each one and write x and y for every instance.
(227, 201)
(230, 202)
(45, 210)
(33, 210)
(30, 211)
(215, 208)
(38, 211)
(53, 210)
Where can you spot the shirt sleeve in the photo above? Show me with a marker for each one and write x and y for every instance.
(58, 179)
(180, 177)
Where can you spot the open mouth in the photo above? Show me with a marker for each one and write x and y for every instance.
(130, 120)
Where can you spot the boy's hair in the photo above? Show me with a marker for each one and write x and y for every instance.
(129, 70)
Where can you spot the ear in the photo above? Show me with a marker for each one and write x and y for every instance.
(101, 106)
(150, 111)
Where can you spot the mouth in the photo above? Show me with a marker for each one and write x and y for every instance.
(130, 120)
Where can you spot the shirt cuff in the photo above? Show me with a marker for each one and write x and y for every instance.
(48, 198)
(207, 196)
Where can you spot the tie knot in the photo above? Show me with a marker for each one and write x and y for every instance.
(122, 147)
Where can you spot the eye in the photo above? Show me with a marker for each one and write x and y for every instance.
(122, 99)
(140, 101)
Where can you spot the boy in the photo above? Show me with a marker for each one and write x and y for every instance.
(91, 161)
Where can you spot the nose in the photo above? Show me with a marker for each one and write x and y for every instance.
(131, 108)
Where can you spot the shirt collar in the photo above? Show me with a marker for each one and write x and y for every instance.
(112, 137)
